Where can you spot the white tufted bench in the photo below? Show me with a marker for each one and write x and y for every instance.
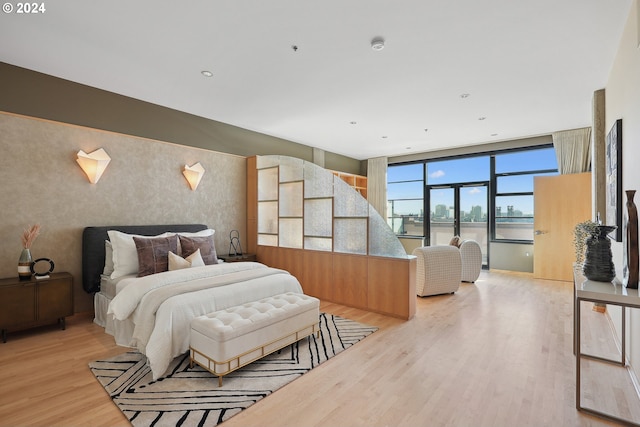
(226, 340)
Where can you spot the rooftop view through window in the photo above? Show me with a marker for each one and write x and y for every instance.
(458, 192)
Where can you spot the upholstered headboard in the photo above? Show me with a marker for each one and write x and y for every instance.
(93, 251)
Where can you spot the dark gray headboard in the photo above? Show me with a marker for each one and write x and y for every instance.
(93, 251)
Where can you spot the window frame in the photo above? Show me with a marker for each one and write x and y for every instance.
(493, 178)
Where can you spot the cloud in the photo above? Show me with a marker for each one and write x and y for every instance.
(474, 190)
(437, 174)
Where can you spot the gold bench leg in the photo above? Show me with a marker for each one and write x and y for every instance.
(220, 381)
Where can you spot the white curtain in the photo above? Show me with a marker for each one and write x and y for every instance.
(573, 150)
(377, 184)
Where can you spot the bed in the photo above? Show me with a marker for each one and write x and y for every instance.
(149, 305)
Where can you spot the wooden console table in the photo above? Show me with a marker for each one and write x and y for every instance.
(606, 293)
(28, 303)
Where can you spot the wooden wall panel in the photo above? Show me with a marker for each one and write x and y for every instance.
(317, 277)
(383, 285)
(350, 280)
(287, 259)
(388, 291)
(292, 260)
(266, 255)
(252, 205)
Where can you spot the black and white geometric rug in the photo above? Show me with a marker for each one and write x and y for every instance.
(191, 396)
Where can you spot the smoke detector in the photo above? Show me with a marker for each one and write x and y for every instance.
(377, 43)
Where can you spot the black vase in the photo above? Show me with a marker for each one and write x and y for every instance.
(598, 259)
(630, 245)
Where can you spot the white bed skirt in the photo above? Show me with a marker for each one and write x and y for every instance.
(125, 328)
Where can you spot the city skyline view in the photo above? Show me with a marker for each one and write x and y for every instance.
(405, 182)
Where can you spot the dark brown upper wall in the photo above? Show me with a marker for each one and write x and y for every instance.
(34, 94)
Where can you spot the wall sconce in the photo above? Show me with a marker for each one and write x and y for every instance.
(93, 164)
(193, 174)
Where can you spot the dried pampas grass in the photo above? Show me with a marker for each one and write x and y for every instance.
(29, 235)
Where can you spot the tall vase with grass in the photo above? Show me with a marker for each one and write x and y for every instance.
(24, 262)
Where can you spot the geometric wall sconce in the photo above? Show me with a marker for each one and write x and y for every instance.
(93, 164)
(193, 174)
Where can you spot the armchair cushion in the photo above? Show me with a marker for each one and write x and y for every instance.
(438, 269)
(471, 260)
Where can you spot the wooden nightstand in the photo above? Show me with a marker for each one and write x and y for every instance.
(26, 304)
(238, 258)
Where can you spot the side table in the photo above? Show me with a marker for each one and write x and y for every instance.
(606, 293)
(29, 303)
(238, 258)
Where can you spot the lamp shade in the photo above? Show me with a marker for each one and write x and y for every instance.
(193, 174)
(93, 164)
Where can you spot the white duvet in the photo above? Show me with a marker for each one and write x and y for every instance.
(154, 312)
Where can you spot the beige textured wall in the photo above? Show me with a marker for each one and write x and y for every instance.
(40, 182)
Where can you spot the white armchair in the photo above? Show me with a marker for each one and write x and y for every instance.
(471, 260)
(438, 270)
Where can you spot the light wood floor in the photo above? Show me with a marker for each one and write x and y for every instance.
(497, 353)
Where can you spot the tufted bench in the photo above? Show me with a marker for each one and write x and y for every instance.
(226, 340)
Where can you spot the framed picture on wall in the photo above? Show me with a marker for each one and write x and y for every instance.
(613, 174)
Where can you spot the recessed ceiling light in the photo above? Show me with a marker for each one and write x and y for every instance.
(464, 95)
(377, 43)
(482, 118)
(426, 130)
(407, 148)
(384, 136)
(353, 123)
(207, 73)
(494, 134)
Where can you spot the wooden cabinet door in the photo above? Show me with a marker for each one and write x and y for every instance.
(55, 299)
(17, 304)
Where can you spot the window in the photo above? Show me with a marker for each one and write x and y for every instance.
(510, 174)
(467, 169)
(457, 200)
(405, 199)
(513, 195)
(527, 161)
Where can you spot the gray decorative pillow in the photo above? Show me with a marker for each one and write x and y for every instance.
(205, 244)
(153, 254)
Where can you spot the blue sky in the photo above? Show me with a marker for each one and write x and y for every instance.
(471, 169)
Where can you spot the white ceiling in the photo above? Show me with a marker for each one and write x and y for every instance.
(529, 67)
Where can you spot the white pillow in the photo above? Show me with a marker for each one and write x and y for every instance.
(125, 254)
(202, 233)
(108, 258)
(176, 262)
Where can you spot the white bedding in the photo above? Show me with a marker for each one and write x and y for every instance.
(110, 287)
(153, 313)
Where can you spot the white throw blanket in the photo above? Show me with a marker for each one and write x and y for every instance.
(161, 306)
